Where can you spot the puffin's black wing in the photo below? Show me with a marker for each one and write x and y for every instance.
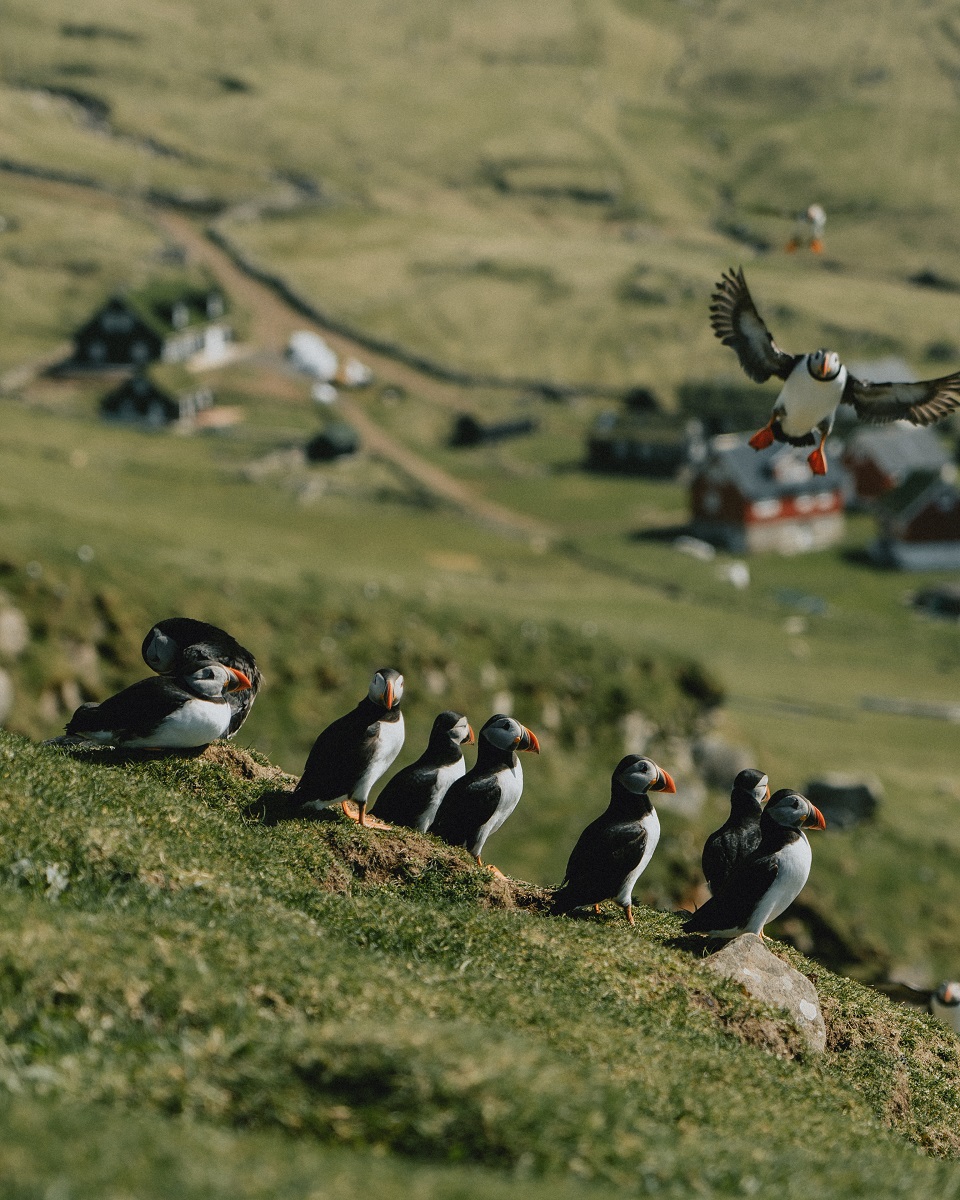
(603, 857)
(405, 798)
(469, 804)
(921, 403)
(737, 324)
(337, 758)
(133, 713)
(725, 848)
(732, 906)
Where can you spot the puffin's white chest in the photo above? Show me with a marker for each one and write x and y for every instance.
(806, 401)
(511, 788)
(388, 745)
(445, 776)
(793, 869)
(651, 823)
(195, 723)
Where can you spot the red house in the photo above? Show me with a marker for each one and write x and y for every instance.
(920, 523)
(878, 459)
(747, 501)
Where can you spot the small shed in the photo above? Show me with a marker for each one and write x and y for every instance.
(157, 398)
(168, 321)
(880, 457)
(920, 523)
(336, 440)
(750, 502)
(638, 442)
(469, 431)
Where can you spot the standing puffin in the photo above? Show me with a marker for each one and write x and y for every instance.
(614, 850)
(413, 795)
(945, 1004)
(185, 712)
(739, 835)
(477, 804)
(816, 383)
(765, 884)
(351, 754)
(177, 645)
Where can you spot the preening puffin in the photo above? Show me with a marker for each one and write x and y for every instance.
(945, 1004)
(177, 645)
(413, 795)
(739, 835)
(351, 754)
(613, 851)
(478, 804)
(183, 712)
(765, 884)
(816, 383)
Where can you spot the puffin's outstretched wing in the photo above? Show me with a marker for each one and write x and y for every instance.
(920, 403)
(737, 324)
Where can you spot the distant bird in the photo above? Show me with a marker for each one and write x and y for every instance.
(476, 805)
(739, 835)
(413, 795)
(816, 383)
(945, 1004)
(613, 851)
(352, 753)
(765, 884)
(184, 712)
(175, 647)
(808, 230)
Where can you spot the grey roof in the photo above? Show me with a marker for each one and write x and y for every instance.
(900, 448)
(766, 474)
(914, 493)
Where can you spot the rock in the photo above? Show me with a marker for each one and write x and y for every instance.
(6, 695)
(720, 762)
(772, 981)
(14, 632)
(845, 800)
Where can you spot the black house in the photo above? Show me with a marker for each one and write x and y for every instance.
(167, 321)
(156, 398)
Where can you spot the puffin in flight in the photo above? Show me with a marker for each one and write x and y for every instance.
(770, 879)
(177, 645)
(739, 835)
(614, 850)
(413, 795)
(816, 383)
(352, 753)
(182, 712)
(478, 803)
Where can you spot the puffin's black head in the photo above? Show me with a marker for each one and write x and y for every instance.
(755, 782)
(638, 775)
(507, 734)
(453, 726)
(948, 993)
(824, 365)
(386, 688)
(213, 680)
(794, 811)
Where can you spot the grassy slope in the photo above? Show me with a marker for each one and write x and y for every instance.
(359, 989)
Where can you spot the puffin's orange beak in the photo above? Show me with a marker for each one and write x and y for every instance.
(665, 782)
(242, 682)
(471, 736)
(388, 695)
(815, 820)
(531, 741)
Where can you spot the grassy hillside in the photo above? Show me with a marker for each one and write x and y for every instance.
(175, 965)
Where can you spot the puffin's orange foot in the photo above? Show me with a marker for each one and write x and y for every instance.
(816, 246)
(762, 439)
(348, 810)
(818, 461)
(792, 246)
(630, 914)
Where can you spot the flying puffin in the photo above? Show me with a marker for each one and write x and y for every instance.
(177, 645)
(182, 712)
(739, 835)
(413, 795)
(614, 850)
(808, 230)
(945, 1004)
(763, 885)
(351, 754)
(816, 383)
(478, 803)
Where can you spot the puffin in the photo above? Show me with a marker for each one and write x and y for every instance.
(808, 230)
(478, 803)
(181, 712)
(945, 1004)
(613, 851)
(770, 879)
(814, 384)
(352, 753)
(175, 646)
(413, 795)
(739, 835)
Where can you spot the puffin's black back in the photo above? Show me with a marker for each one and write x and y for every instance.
(736, 839)
(133, 713)
(341, 753)
(407, 796)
